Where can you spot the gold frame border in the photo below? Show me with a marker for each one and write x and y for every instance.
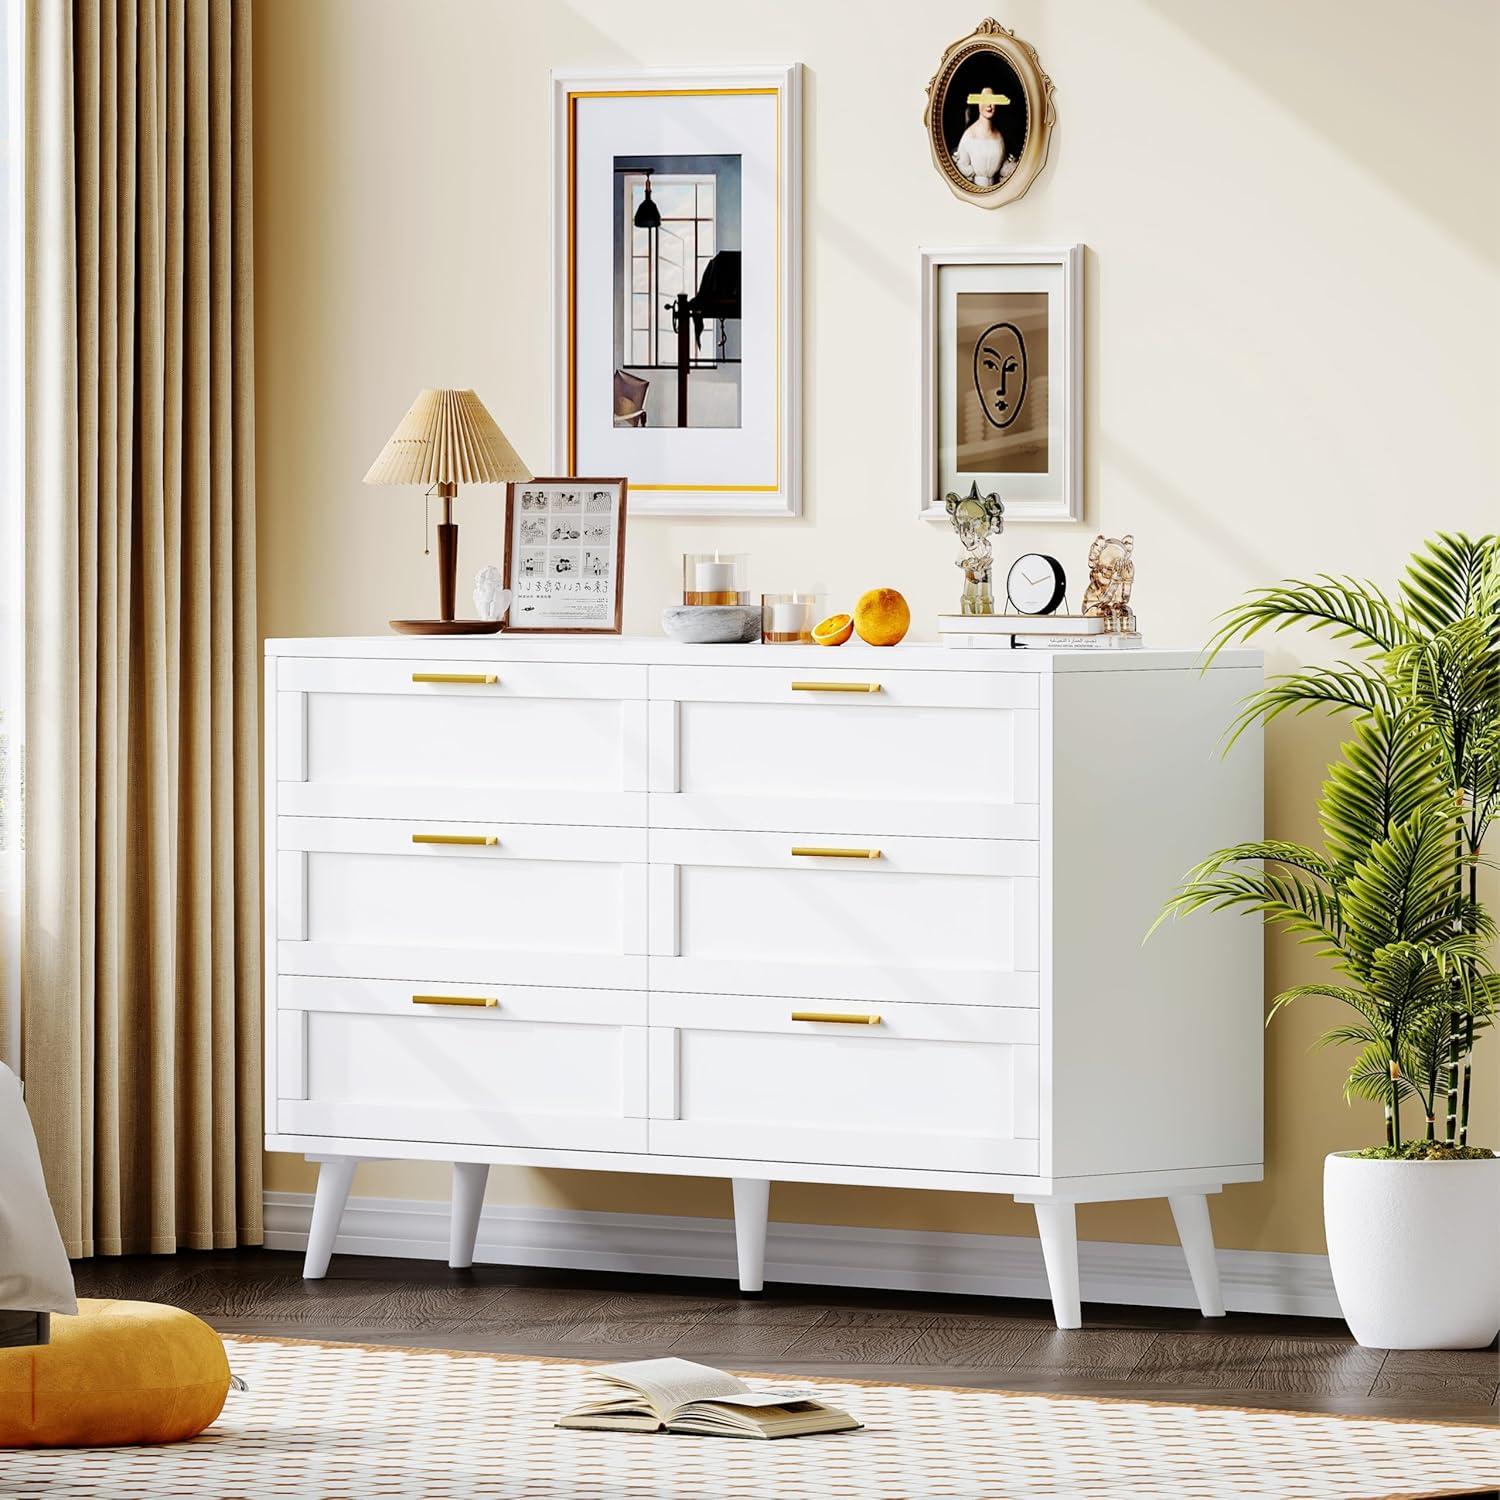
(574, 95)
(1041, 113)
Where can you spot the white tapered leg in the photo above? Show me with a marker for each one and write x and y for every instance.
(1196, 1231)
(1057, 1224)
(469, 1178)
(752, 1204)
(335, 1176)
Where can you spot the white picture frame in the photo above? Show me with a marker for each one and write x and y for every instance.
(752, 468)
(1054, 493)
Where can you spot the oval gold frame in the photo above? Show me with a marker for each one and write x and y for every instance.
(1041, 114)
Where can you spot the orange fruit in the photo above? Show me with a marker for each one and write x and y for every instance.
(834, 631)
(882, 617)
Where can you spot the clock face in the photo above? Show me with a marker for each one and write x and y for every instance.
(1035, 584)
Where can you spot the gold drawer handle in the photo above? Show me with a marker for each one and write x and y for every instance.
(488, 1001)
(468, 679)
(483, 839)
(835, 687)
(828, 1015)
(806, 851)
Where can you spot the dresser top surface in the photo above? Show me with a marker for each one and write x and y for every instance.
(659, 651)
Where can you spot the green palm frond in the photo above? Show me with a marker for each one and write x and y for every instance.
(1385, 775)
(1346, 688)
(1454, 674)
(1270, 851)
(1450, 578)
(1302, 908)
(1428, 1049)
(1351, 1034)
(1370, 1078)
(1411, 999)
(1402, 892)
(1345, 994)
(1481, 780)
(1346, 607)
(1462, 959)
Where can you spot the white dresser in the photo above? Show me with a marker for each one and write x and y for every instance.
(762, 912)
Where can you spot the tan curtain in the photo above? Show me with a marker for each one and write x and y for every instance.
(140, 970)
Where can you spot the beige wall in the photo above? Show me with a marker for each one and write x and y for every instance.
(1292, 317)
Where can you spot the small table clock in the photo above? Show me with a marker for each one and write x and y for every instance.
(1035, 584)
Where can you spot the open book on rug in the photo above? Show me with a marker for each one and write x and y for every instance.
(676, 1395)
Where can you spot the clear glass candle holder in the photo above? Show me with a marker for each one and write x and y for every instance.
(714, 578)
(786, 619)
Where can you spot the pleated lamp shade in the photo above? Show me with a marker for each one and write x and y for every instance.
(447, 438)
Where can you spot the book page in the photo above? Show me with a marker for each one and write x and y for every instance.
(720, 1419)
(777, 1397)
(669, 1384)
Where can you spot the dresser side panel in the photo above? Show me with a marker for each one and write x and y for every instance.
(1156, 1047)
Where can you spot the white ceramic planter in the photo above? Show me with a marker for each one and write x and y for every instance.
(1414, 1247)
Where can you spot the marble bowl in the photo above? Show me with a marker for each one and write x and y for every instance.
(712, 624)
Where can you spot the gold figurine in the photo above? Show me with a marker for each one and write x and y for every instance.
(1111, 577)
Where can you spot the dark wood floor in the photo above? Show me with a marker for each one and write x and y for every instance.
(1242, 1360)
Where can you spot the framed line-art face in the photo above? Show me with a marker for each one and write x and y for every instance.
(989, 116)
(1002, 358)
(565, 555)
(676, 286)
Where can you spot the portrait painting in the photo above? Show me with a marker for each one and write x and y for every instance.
(1002, 365)
(677, 265)
(984, 118)
(1001, 377)
(989, 114)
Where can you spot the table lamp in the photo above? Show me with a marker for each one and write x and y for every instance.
(447, 439)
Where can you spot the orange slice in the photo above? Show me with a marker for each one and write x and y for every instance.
(833, 631)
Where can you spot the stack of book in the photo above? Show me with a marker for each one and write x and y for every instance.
(1034, 632)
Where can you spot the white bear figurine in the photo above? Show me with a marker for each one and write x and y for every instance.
(490, 599)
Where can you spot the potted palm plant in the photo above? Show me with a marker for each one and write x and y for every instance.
(1390, 902)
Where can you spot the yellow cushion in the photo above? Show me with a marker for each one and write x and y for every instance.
(120, 1372)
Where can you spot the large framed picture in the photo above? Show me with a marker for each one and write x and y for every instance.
(1002, 373)
(677, 286)
(565, 555)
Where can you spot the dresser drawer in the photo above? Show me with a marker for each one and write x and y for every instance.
(395, 899)
(875, 689)
(937, 921)
(948, 754)
(943, 1087)
(381, 1060)
(534, 742)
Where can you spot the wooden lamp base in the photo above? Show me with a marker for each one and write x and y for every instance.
(446, 627)
(447, 562)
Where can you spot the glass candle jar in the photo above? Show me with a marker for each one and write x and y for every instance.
(788, 618)
(714, 578)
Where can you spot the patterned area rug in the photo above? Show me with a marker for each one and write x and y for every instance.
(345, 1420)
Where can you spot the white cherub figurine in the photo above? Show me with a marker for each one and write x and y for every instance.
(491, 600)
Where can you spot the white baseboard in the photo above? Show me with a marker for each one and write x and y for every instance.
(1260, 1281)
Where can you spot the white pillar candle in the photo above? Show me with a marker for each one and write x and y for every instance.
(787, 619)
(713, 577)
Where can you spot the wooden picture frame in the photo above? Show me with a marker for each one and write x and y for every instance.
(1047, 484)
(542, 560)
(733, 447)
